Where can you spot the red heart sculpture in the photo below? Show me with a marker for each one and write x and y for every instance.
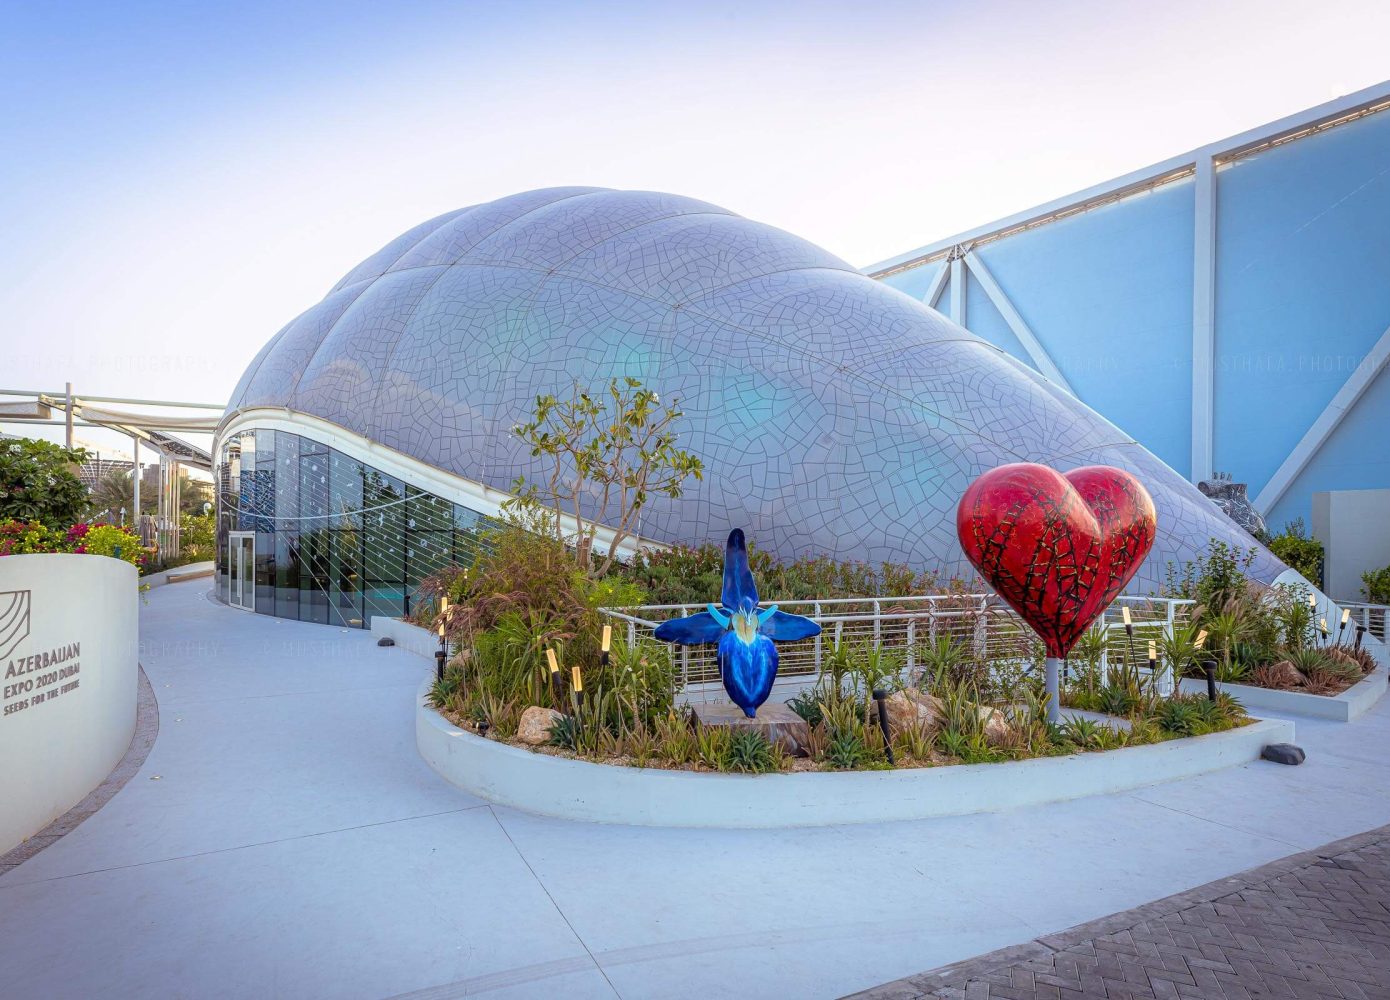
(1058, 549)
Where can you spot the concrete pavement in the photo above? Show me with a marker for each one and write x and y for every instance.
(283, 838)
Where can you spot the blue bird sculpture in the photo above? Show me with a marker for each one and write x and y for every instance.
(747, 635)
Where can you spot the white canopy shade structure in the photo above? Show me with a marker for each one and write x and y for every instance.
(159, 430)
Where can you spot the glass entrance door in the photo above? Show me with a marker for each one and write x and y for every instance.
(241, 570)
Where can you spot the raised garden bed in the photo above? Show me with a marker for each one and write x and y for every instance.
(1344, 707)
(583, 790)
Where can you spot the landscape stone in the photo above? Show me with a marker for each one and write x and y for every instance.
(1283, 753)
(996, 726)
(775, 721)
(1286, 674)
(911, 707)
(386, 640)
(534, 728)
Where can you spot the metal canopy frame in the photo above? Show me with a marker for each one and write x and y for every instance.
(959, 253)
(153, 430)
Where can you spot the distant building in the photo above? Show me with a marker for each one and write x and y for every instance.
(1229, 307)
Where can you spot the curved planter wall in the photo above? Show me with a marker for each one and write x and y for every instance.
(1348, 706)
(573, 789)
(68, 666)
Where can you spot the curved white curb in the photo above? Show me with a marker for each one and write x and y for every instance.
(604, 793)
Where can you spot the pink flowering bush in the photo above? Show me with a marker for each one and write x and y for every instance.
(24, 537)
(27, 537)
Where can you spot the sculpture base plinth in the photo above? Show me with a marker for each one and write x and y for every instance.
(775, 721)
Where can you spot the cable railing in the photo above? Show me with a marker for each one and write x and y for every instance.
(1374, 618)
(906, 626)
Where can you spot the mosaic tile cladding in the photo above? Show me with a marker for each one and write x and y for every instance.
(834, 414)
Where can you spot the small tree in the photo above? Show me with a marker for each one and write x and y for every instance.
(38, 482)
(608, 454)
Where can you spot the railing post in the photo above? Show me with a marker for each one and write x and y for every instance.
(878, 625)
(911, 646)
(816, 608)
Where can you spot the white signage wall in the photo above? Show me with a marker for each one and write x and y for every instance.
(68, 681)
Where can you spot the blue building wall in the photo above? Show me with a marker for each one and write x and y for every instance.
(1302, 294)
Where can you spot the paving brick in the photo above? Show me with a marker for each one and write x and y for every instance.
(1312, 927)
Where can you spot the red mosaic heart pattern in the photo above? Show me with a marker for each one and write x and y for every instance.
(1057, 548)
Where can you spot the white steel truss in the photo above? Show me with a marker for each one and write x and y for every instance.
(1327, 421)
(1201, 165)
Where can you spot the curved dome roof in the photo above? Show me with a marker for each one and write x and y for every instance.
(834, 414)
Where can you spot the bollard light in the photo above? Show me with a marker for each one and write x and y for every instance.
(880, 699)
(554, 671)
(1209, 666)
(607, 644)
(1201, 639)
(1129, 631)
(576, 681)
(439, 664)
(1360, 631)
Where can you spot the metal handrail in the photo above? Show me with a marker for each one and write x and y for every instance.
(904, 624)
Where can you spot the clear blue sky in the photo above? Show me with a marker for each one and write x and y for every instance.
(178, 181)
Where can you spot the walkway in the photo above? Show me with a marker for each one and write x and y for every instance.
(283, 839)
(1315, 925)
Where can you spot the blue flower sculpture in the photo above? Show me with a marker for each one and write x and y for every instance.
(747, 636)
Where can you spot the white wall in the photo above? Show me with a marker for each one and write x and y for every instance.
(65, 726)
(1354, 528)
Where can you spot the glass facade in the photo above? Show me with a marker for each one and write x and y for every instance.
(335, 541)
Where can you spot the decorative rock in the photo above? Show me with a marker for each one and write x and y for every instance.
(996, 726)
(386, 640)
(912, 707)
(1286, 674)
(1342, 656)
(534, 728)
(1283, 753)
(775, 721)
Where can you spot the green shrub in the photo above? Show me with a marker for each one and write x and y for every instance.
(712, 748)
(1375, 584)
(563, 733)
(846, 751)
(1298, 551)
(806, 704)
(1215, 578)
(750, 752)
(1181, 716)
(38, 482)
(691, 574)
(108, 540)
(19, 538)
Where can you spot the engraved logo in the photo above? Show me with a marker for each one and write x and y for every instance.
(14, 619)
